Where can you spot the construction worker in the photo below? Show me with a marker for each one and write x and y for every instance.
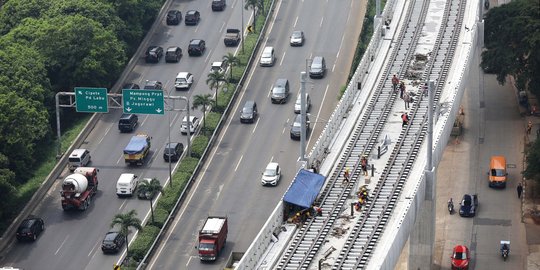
(405, 119)
(363, 164)
(395, 82)
(346, 177)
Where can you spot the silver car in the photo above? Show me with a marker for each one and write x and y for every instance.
(272, 174)
(297, 38)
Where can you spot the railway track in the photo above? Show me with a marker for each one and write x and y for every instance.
(365, 234)
(312, 234)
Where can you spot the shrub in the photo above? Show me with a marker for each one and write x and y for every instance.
(160, 215)
(198, 146)
(142, 243)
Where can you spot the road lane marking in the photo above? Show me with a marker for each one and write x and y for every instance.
(190, 257)
(208, 56)
(283, 57)
(63, 242)
(144, 121)
(92, 250)
(106, 132)
(238, 164)
(318, 113)
(322, 20)
(295, 21)
(222, 26)
(122, 205)
(256, 124)
(121, 157)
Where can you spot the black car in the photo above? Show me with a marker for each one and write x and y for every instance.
(248, 114)
(173, 54)
(218, 5)
(172, 151)
(196, 47)
(113, 242)
(154, 54)
(174, 17)
(296, 127)
(157, 85)
(468, 205)
(30, 228)
(192, 17)
(130, 86)
(128, 122)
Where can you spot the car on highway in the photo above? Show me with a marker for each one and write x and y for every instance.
(317, 69)
(249, 113)
(298, 103)
(218, 66)
(271, 175)
(192, 17)
(153, 85)
(280, 91)
(297, 38)
(193, 124)
(113, 242)
(126, 185)
(196, 47)
(174, 17)
(30, 228)
(468, 205)
(218, 5)
(183, 80)
(172, 151)
(128, 122)
(296, 127)
(460, 258)
(267, 57)
(143, 193)
(173, 54)
(154, 54)
(79, 158)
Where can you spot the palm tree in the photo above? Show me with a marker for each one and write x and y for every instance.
(253, 4)
(231, 61)
(125, 221)
(213, 81)
(202, 101)
(150, 187)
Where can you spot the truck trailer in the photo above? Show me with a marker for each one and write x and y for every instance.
(79, 188)
(212, 238)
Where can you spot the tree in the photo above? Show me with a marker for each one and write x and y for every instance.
(125, 221)
(532, 153)
(254, 5)
(231, 61)
(202, 101)
(150, 187)
(213, 81)
(512, 40)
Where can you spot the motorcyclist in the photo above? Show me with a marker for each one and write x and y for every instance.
(450, 205)
(504, 248)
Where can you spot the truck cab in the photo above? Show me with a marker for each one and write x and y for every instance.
(212, 238)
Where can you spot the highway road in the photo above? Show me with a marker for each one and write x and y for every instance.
(230, 182)
(72, 240)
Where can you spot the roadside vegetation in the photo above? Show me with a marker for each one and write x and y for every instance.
(512, 48)
(38, 59)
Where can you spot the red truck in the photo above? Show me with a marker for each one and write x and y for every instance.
(212, 238)
(79, 188)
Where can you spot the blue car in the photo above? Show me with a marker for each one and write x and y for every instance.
(468, 205)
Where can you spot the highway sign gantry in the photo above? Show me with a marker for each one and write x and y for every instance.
(143, 101)
(93, 100)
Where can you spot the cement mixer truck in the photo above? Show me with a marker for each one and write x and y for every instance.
(79, 188)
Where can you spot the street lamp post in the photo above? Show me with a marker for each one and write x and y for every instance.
(242, 10)
(303, 115)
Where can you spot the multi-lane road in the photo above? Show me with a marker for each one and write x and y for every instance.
(230, 182)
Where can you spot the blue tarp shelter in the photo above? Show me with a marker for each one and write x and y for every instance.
(304, 188)
(135, 145)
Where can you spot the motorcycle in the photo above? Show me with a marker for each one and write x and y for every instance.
(505, 249)
(450, 206)
(486, 4)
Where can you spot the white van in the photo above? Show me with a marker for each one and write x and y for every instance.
(79, 158)
(267, 57)
(126, 184)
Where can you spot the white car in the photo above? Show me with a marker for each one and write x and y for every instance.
(271, 175)
(218, 66)
(298, 104)
(126, 184)
(267, 57)
(183, 80)
(193, 124)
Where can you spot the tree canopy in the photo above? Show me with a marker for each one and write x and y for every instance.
(512, 42)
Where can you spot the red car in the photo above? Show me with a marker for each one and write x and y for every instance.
(460, 258)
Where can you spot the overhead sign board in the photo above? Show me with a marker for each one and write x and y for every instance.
(92, 100)
(143, 101)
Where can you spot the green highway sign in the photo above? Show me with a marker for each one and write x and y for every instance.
(143, 101)
(92, 100)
